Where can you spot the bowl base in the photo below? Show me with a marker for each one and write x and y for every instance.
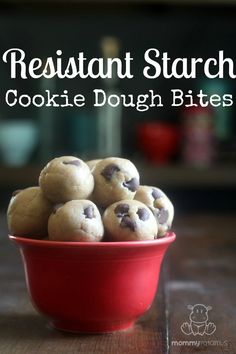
(90, 328)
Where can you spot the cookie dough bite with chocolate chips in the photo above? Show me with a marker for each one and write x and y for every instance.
(115, 179)
(66, 178)
(160, 205)
(28, 213)
(129, 220)
(76, 220)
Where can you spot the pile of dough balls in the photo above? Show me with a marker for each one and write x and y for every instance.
(97, 200)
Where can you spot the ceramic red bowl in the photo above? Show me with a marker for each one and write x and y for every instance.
(92, 287)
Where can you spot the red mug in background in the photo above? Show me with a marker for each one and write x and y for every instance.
(158, 141)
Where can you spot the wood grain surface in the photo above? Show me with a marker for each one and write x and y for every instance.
(200, 268)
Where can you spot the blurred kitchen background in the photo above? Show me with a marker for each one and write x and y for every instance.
(190, 153)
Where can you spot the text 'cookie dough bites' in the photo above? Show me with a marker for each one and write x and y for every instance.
(28, 213)
(66, 178)
(160, 205)
(115, 179)
(77, 220)
(129, 220)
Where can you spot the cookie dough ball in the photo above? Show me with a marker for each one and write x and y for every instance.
(160, 205)
(92, 163)
(77, 220)
(66, 178)
(115, 179)
(28, 213)
(129, 220)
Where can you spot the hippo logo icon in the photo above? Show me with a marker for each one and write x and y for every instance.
(198, 321)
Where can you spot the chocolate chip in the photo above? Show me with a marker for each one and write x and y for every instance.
(56, 207)
(73, 162)
(157, 193)
(132, 185)
(109, 171)
(143, 214)
(128, 222)
(89, 212)
(16, 192)
(163, 216)
(121, 209)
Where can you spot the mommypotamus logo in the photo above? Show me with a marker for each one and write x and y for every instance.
(198, 321)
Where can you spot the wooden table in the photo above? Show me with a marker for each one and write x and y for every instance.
(199, 269)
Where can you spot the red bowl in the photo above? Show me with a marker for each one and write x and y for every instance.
(92, 287)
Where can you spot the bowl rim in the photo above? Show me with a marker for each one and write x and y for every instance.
(169, 238)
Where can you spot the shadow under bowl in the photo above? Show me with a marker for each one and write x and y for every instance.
(92, 287)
